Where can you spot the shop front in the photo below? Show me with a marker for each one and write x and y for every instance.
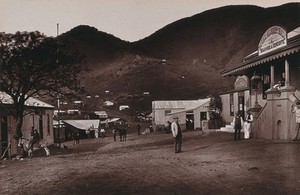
(273, 73)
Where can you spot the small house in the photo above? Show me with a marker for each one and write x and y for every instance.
(38, 115)
(123, 107)
(191, 113)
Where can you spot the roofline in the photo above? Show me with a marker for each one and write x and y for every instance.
(185, 110)
(293, 46)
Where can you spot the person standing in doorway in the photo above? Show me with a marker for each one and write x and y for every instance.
(247, 125)
(177, 134)
(296, 110)
(237, 125)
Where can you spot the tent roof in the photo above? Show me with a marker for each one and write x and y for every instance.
(86, 124)
(83, 124)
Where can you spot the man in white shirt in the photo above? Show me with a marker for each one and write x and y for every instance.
(247, 124)
(296, 110)
(177, 134)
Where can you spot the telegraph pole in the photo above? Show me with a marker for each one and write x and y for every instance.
(58, 102)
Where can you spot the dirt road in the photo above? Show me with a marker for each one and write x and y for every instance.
(211, 163)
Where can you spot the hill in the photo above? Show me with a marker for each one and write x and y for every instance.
(181, 60)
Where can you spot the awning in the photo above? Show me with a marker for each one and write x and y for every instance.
(259, 60)
(83, 124)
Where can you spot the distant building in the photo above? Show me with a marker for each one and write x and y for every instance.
(192, 114)
(123, 107)
(73, 111)
(101, 114)
(81, 126)
(39, 115)
(55, 112)
(108, 103)
(163, 61)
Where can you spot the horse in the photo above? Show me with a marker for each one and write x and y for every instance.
(122, 133)
(25, 145)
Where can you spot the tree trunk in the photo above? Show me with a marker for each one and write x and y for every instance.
(19, 105)
(19, 122)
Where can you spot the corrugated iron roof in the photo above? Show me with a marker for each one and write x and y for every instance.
(199, 103)
(173, 104)
(32, 102)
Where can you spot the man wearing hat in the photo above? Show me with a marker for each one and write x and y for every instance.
(177, 134)
(297, 111)
(237, 125)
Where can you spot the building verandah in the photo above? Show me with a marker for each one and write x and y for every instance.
(276, 64)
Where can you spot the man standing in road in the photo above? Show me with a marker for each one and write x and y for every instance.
(139, 129)
(177, 134)
(237, 125)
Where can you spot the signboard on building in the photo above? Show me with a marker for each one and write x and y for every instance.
(241, 83)
(274, 38)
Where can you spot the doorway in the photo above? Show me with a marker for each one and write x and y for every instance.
(41, 131)
(189, 121)
(241, 103)
(4, 135)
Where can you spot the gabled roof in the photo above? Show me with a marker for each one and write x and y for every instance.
(199, 103)
(174, 104)
(31, 102)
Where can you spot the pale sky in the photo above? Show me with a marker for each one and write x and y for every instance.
(129, 20)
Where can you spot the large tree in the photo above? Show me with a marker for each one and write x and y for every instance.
(31, 65)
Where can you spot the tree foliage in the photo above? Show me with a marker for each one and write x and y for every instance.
(35, 65)
(215, 105)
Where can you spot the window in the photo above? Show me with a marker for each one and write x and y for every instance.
(167, 112)
(203, 116)
(32, 119)
(48, 124)
(231, 109)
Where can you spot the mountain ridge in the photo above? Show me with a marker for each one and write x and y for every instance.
(179, 61)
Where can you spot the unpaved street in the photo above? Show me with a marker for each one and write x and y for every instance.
(211, 163)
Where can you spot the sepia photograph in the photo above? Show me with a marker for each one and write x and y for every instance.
(149, 97)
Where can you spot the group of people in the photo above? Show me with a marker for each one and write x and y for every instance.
(239, 124)
(76, 137)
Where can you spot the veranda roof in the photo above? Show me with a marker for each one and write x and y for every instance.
(293, 46)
